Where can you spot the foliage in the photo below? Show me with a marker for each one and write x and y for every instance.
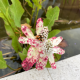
(12, 18)
(53, 33)
(16, 45)
(57, 57)
(52, 15)
(29, 3)
(3, 64)
(50, 7)
(16, 14)
(48, 64)
(23, 55)
(27, 20)
(11, 14)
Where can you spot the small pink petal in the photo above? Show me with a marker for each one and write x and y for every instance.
(32, 57)
(34, 42)
(52, 61)
(22, 40)
(57, 40)
(39, 26)
(58, 50)
(27, 32)
(41, 51)
(33, 52)
(28, 63)
(41, 63)
(39, 19)
(54, 38)
(53, 65)
(51, 39)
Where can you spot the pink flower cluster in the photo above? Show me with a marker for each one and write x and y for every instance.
(40, 51)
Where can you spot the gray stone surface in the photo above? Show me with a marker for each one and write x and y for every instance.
(32, 74)
(68, 69)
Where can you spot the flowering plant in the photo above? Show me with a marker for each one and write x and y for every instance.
(39, 49)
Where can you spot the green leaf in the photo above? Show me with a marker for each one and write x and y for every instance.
(23, 55)
(50, 7)
(9, 23)
(48, 64)
(8, 19)
(27, 20)
(9, 31)
(7, 13)
(10, 27)
(3, 5)
(29, 3)
(3, 64)
(38, 5)
(5, 16)
(2, 16)
(16, 45)
(53, 33)
(28, 47)
(51, 15)
(46, 22)
(16, 12)
(33, 30)
(57, 57)
(24, 51)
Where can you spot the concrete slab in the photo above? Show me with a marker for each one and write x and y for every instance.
(32, 74)
(68, 69)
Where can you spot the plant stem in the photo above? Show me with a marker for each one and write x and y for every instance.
(9, 57)
(31, 17)
(36, 18)
(14, 69)
(32, 13)
(8, 74)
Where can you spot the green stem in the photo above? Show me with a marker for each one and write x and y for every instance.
(13, 69)
(10, 68)
(36, 18)
(34, 7)
(31, 17)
